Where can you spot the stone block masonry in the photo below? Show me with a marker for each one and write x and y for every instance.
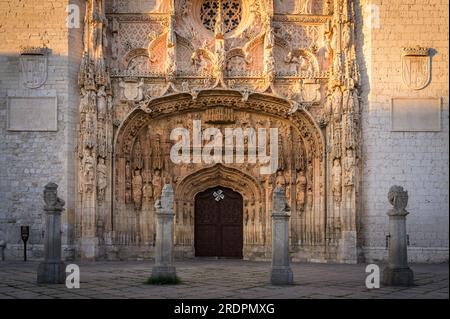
(419, 161)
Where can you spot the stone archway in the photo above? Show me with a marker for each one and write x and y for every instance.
(256, 219)
(142, 164)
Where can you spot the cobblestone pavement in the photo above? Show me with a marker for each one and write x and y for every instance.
(219, 279)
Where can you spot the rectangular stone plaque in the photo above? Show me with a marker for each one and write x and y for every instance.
(416, 115)
(32, 113)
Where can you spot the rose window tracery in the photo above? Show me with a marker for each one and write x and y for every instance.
(231, 11)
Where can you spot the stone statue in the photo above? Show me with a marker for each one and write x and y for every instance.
(101, 179)
(51, 199)
(336, 175)
(84, 101)
(337, 104)
(398, 198)
(157, 184)
(89, 134)
(101, 103)
(300, 189)
(138, 160)
(88, 170)
(170, 62)
(349, 168)
(280, 180)
(102, 146)
(147, 192)
(137, 189)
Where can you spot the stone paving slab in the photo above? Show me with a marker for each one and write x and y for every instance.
(205, 279)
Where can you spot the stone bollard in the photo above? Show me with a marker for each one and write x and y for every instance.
(52, 269)
(397, 272)
(2, 250)
(281, 273)
(164, 235)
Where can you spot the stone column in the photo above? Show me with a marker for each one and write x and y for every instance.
(52, 269)
(281, 273)
(164, 235)
(397, 272)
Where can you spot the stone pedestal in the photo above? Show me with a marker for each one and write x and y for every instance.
(397, 272)
(281, 273)
(52, 269)
(164, 235)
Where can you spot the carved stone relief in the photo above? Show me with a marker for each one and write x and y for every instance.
(151, 66)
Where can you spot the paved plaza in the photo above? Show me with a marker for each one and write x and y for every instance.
(219, 279)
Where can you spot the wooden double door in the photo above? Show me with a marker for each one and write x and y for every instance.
(219, 223)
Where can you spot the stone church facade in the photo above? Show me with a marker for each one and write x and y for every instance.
(357, 90)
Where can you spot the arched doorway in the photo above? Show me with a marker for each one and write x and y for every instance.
(218, 223)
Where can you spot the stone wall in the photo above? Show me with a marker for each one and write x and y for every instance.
(29, 160)
(416, 160)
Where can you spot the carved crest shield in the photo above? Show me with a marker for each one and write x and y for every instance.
(33, 67)
(416, 67)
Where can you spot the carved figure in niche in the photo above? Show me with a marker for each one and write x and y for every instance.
(84, 102)
(157, 163)
(89, 136)
(336, 177)
(138, 160)
(140, 91)
(185, 86)
(102, 147)
(270, 66)
(337, 104)
(147, 192)
(127, 182)
(300, 189)
(137, 189)
(101, 179)
(157, 184)
(349, 168)
(199, 62)
(324, 55)
(337, 145)
(139, 63)
(346, 36)
(355, 103)
(350, 131)
(298, 63)
(171, 62)
(280, 180)
(109, 103)
(347, 101)
(88, 171)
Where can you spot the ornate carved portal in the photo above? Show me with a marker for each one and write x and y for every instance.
(148, 69)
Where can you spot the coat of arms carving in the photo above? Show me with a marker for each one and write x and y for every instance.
(416, 67)
(33, 66)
